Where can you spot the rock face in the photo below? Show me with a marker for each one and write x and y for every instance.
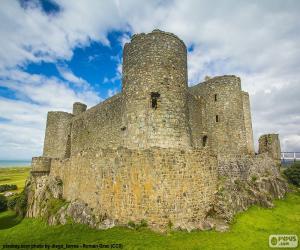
(244, 182)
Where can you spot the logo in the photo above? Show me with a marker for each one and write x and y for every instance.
(283, 241)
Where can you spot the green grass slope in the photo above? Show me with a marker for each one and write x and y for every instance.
(250, 230)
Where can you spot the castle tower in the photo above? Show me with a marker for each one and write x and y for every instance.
(224, 125)
(78, 108)
(155, 92)
(57, 142)
(270, 144)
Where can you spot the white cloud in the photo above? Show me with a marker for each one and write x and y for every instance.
(22, 131)
(258, 40)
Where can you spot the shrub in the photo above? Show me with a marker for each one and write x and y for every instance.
(3, 203)
(143, 223)
(131, 224)
(170, 224)
(293, 174)
(18, 203)
(7, 187)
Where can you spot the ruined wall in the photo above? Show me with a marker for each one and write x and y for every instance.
(159, 185)
(98, 126)
(155, 91)
(57, 136)
(248, 122)
(223, 114)
(270, 144)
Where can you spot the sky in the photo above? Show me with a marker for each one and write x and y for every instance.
(56, 52)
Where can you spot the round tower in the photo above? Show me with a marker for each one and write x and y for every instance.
(224, 115)
(155, 91)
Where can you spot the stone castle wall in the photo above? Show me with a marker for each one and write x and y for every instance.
(100, 125)
(198, 127)
(158, 185)
(223, 114)
(248, 123)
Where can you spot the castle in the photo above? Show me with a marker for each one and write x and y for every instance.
(153, 151)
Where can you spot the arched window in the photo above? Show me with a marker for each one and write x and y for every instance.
(204, 141)
(217, 118)
(216, 97)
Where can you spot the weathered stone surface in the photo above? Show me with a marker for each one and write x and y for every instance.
(270, 144)
(244, 182)
(40, 189)
(158, 185)
(160, 151)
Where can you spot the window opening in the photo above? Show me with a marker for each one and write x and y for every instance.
(204, 140)
(154, 99)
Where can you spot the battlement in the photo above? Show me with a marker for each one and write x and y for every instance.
(142, 36)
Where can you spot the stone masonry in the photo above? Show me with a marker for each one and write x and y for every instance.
(156, 150)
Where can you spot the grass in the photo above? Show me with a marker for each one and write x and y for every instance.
(250, 230)
(14, 175)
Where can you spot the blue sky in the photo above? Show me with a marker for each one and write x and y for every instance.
(56, 52)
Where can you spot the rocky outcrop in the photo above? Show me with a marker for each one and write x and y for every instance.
(43, 193)
(244, 182)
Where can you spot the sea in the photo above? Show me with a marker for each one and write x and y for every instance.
(14, 163)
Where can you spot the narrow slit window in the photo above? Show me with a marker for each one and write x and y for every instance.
(216, 97)
(154, 100)
(217, 118)
(204, 141)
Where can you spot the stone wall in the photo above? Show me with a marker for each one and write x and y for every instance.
(158, 185)
(40, 165)
(57, 136)
(78, 108)
(155, 92)
(223, 114)
(270, 144)
(197, 123)
(248, 122)
(99, 126)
